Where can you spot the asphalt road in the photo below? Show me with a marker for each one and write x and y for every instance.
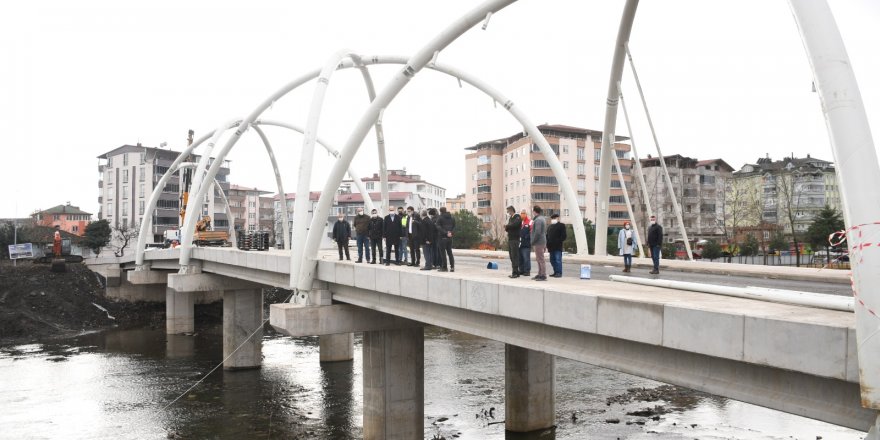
(602, 273)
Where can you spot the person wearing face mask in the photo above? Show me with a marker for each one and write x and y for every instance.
(392, 229)
(404, 235)
(513, 227)
(374, 230)
(655, 240)
(341, 234)
(627, 240)
(556, 235)
(361, 228)
(539, 242)
(414, 235)
(429, 237)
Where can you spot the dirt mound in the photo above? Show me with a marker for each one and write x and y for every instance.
(38, 304)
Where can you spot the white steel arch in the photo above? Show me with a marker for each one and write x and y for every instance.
(154, 197)
(369, 117)
(854, 152)
(853, 148)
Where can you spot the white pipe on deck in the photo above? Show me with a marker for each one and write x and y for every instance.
(809, 299)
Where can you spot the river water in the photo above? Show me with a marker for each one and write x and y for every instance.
(119, 384)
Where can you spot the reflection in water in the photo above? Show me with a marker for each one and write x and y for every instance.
(337, 383)
(116, 384)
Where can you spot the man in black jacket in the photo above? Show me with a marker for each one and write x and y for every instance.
(341, 235)
(392, 230)
(556, 235)
(361, 228)
(445, 230)
(374, 230)
(414, 236)
(513, 226)
(429, 238)
(655, 240)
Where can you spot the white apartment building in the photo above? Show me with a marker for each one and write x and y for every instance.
(126, 178)
(512, 171)
(425, 194)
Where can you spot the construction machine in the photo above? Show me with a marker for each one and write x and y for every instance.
(204, 236)
(58, 254)
(187, 181)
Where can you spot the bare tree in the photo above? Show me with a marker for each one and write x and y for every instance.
(788, 189)
(741, 206)
(123, 234)
(494, 229)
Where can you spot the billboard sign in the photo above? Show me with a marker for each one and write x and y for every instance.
(21, 250)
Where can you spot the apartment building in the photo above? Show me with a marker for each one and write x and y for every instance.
(700, 188)
(512, 171)
(456, 203)
(425, 194)
(252, 209)
(66, 217)
(126, 178)
(792, 190)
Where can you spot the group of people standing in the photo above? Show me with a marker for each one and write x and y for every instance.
(526, 235)
(628, 239)
(411, 235)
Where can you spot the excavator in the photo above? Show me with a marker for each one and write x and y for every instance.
(58, 254)
(204, 236)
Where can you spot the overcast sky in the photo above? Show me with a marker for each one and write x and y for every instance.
(77, 79)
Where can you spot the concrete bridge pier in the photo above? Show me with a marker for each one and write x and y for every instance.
(242, 314)
(242, 328)
(333, 348)
(336, 348)
(529, 389)
(393, 361)
(394, 383)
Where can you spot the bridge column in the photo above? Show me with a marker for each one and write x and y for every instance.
(242, 328)
(394, 386)
(179, 312)
(529, 389)
(336, 348)
(333, 348)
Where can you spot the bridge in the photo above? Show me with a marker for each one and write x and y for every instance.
(793, 358)
(813, 361)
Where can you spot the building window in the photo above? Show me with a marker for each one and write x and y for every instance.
(582, 185)
(483, 160)
(74, 229)
(581, 154)
(141, 174)
(124, 209)
(142, 190)
(143, 159)
(124, 159)
(581, 169)
(540, 163)
(124, 176)
(565, 164)
(565, 148)
(125, 191)
(141, 206)
(56, 217)
(544, 180)
(370, 185)
(542, 196)
(597, 154)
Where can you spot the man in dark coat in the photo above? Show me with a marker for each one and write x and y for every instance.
(513, 226)
(556, 235)
(655, 240)
(374, 230)
(429, 238)
(361, 228)
(414, 235)
(446, 229)
(341, 235)
(392, 230)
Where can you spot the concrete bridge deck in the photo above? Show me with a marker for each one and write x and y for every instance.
(795, 359)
